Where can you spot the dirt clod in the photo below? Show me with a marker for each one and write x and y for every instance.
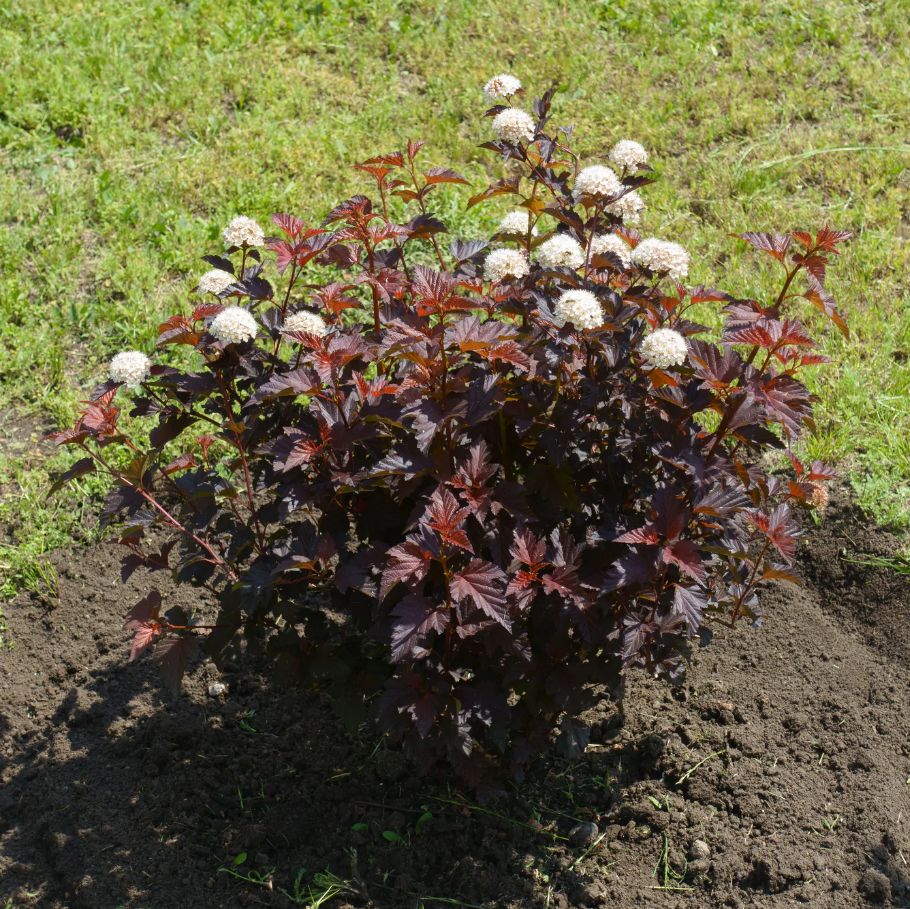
(876, 886)
(583, 834)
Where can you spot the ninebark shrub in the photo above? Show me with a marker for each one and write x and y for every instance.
(465, 489)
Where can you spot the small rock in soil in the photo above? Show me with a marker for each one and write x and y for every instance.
(217, 689)
(699, 850)
(583, 834)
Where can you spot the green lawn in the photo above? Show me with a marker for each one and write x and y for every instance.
(131, 131)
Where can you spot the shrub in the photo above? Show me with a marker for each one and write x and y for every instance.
(465, 489)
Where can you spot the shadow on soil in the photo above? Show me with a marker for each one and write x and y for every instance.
(775, 775)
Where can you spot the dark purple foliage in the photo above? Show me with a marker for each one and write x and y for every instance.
(449, 510)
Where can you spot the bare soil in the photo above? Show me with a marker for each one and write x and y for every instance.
(777, 774)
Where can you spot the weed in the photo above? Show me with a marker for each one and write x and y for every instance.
(668, 877)
(829, 824)
(6, 642)
(325, 887)
(700, 763)
(243, 721)
(468, 806)
(899, 564)
(42, 580)
(250, 876)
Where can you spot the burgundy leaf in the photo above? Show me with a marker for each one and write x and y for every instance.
(689, 603)
(528, 549)
(824, 302)
(502, 187)
(484, 584)
(645, 536)
(565, 582)
(143, 638)
(288, 224)
(829, 239)
(786, 401)
(775, 245)
(721, 502)
(446, 517)
(779, 528)
(629, 570)
(718, 367)
(408, 562)
(685, 555)
(443, 175)
(300, 381)
(82, 467)
(425, 710)
(146, 610)
(820, 471)
(413, 620)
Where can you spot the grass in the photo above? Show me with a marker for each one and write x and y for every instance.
(898, 564)
(131, 131)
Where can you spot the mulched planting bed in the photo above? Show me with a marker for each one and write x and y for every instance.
(776, 774)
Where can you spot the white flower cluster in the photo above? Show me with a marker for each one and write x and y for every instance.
(130, 368)
(662, 257)
(628, 155)
(505, 263)
(309, 323)
(233, 326)
(215, 281)
(611, 243)
(243, 231)
(580, 307)
(516, 222)
(627, 208)
(501, 86)
(664, 348)
(561, 250)
(597, 180)
(514, 125)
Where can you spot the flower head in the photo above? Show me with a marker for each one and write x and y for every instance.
(627, 208)
(215, 281)
(628, 155)
(820, 498)
(501, 86)
(561, 250)
(130, 368)
(514, 125)
(611, 243)
(516, 222)
(243, 231)
(597, 180)
(662, 257)
(664, 347)
(309, 323)
(580, 307)
(233, 326)
(505, 263)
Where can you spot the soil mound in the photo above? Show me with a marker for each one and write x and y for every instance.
(777, 774)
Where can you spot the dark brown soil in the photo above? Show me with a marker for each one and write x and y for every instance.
(778, 774)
